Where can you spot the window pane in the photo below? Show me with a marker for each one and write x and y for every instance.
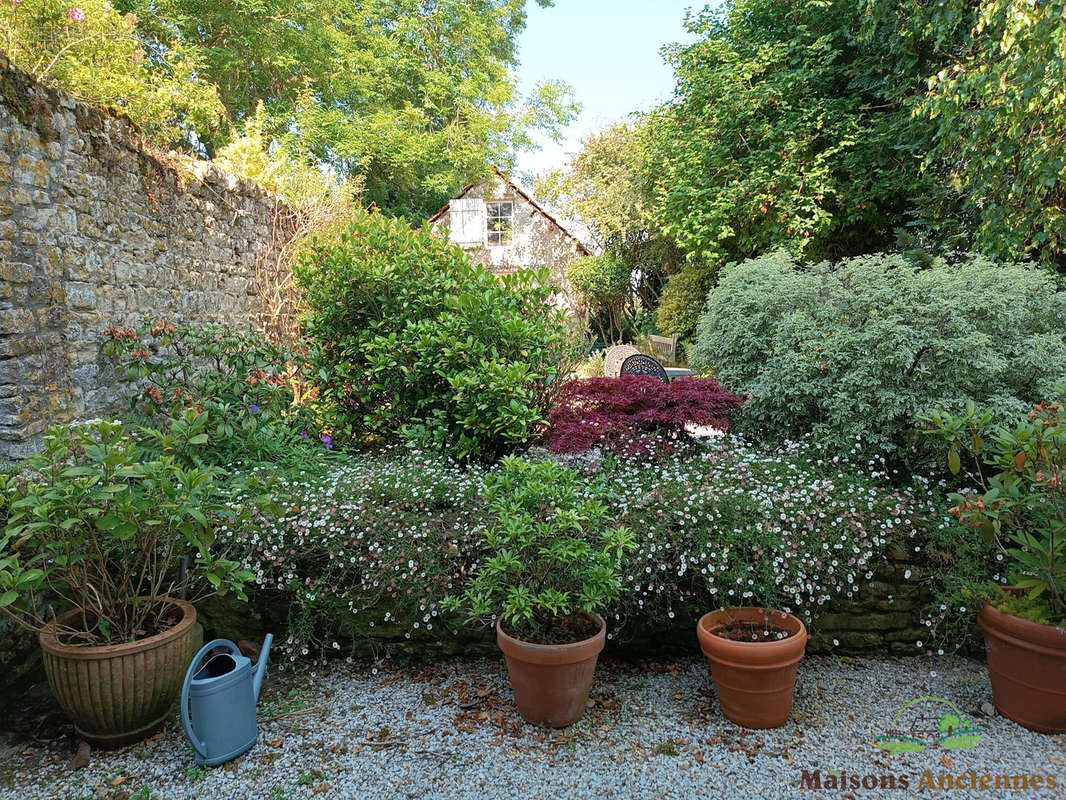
(498, 223)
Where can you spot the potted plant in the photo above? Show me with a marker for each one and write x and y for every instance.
(754, 656)
(550, 565)
(89, 559)
(1019, 507)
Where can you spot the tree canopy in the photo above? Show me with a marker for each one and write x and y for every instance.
(833, 128)
(606, 186)
(412, 97)
(779, 134)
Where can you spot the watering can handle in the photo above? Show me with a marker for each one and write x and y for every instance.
(186, 721)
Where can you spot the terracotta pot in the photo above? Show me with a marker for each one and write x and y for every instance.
(755, 680)
(551, 682)
(117, 694)
(1027, 667)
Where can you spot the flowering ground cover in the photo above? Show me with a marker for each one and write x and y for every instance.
(377, 541)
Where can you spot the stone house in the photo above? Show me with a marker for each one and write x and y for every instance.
(504, 229)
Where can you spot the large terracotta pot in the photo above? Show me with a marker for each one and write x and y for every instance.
(117, 694)
(551, 682)
(755, 680)
(1027, 667)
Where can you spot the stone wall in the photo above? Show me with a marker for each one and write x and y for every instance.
(95, 230)
(883, 618)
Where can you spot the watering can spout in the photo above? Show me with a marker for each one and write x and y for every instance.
(261, 664)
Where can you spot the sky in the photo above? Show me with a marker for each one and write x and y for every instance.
(608, 51)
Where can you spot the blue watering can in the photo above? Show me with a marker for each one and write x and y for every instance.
(218, 702)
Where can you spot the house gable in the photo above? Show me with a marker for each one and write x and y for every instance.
(502, 228)
(458, 214)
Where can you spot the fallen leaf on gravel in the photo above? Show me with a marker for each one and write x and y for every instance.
(274, 743)
(121, 779)
(80, 758)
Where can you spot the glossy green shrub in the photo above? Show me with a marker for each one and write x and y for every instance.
(409, 339)
(856, 353)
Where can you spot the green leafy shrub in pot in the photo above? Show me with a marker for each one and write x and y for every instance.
(409, 339)
(549, 556)
(1021, 508)
(857, 352)
(100, 529)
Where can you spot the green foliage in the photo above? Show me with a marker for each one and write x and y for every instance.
(833, 128)
(1023, 504)
(549, 553)
(603, 285)
(414, 99)
(606, 186)
(855, 353)
(962, 564)
(100, 528)
(682, 301)
(286, 170)
(408, 338)
(604, 183)
(212, 383)
(999, 109)
(779, 135)
(405, 99)
(373, 546)
(97, 54)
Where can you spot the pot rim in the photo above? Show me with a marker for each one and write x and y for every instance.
(552, 654)
(554, 647)
(799, 635)
(1006, 625)
(49, 639)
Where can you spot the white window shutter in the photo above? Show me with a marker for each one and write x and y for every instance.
(467, 222)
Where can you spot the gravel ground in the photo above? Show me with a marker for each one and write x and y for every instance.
(652, 730)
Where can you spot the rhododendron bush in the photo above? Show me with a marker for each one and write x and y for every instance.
(371, 548)
(609, 411)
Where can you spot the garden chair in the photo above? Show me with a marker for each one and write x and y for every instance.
(665, 346)
(641, 364)
(612, 362)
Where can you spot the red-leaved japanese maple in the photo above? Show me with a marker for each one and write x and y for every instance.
(595, 411)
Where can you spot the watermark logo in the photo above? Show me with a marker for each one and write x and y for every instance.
(928, 722)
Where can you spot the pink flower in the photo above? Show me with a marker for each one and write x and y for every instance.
(76, 14)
